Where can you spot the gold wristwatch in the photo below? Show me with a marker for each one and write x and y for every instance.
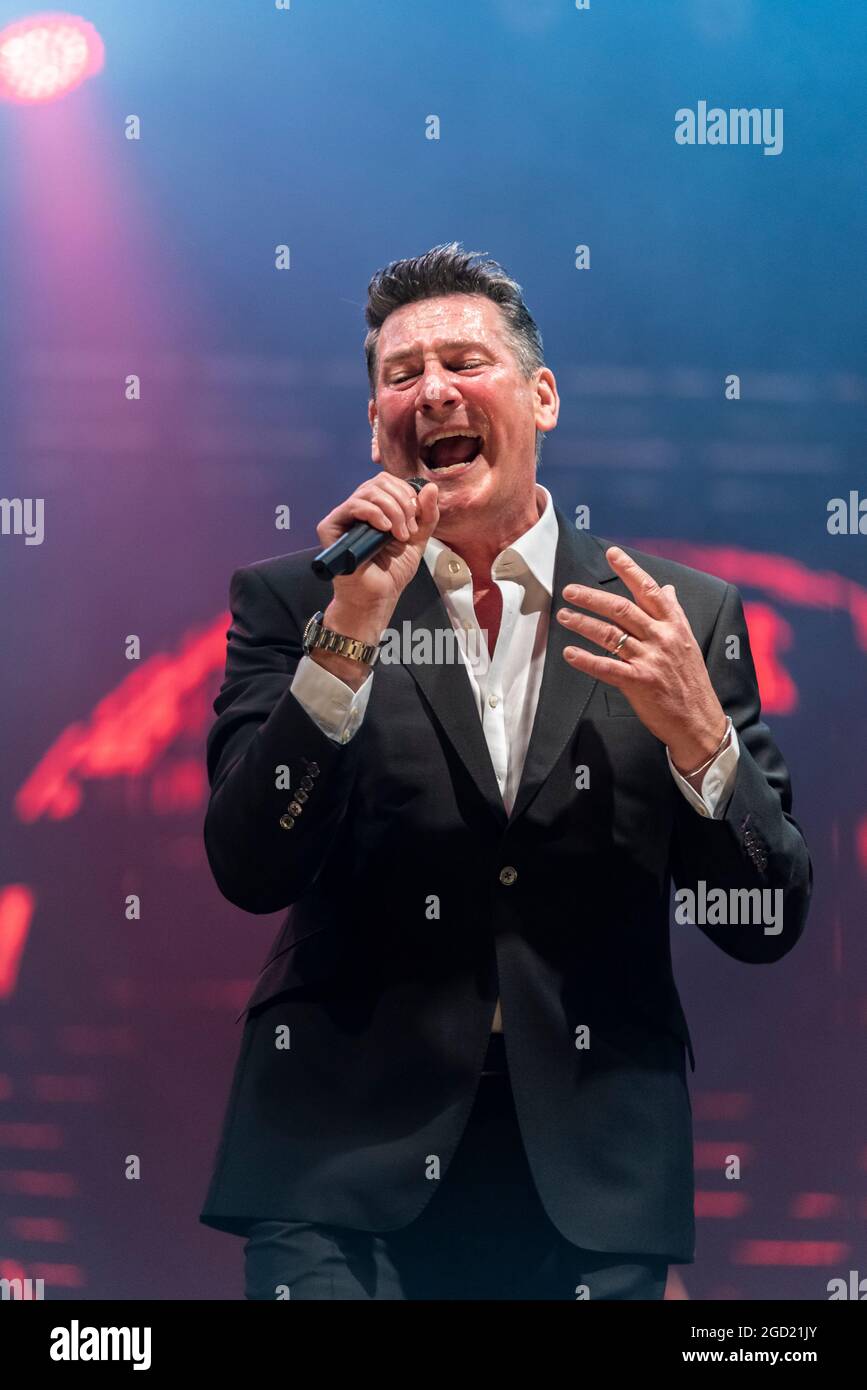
(324, 639)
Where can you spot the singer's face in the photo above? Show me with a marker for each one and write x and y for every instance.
(446, 370)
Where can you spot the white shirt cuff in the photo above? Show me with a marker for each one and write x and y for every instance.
(717, 782)
(333, 705)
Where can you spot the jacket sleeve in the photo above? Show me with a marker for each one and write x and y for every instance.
(259, 864)
(756, 843)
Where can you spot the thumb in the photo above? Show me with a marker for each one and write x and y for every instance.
(427, 515)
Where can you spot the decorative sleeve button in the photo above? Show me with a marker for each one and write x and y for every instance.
(296, 805)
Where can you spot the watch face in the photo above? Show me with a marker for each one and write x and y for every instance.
(311, 630)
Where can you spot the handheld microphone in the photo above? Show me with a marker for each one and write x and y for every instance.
(355, 546)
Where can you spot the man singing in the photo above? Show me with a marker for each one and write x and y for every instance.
(462, 1073)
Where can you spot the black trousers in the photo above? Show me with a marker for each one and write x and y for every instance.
(483, 1235)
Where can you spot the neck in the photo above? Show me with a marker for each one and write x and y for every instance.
(479, 541)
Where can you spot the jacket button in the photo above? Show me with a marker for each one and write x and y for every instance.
(306, 784)
(508, 875)
(287, 822)
(295, 808)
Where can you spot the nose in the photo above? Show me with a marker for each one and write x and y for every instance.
(437, 391)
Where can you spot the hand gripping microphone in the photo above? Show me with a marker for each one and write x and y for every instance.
(355, 546)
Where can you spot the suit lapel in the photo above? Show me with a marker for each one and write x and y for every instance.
(446, 686)
(564, 691)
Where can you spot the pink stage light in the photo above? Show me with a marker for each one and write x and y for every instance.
(47, 55)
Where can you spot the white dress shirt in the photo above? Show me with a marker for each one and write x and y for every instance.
(505, 688)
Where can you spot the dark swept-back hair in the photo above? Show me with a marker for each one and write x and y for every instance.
(448, 269)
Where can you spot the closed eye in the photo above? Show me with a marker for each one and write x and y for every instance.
(464, 366)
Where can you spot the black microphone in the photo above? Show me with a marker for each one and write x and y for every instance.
(355, 546)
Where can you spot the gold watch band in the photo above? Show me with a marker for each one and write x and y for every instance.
(317, 637)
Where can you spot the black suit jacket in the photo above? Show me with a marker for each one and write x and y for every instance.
(365, 1034)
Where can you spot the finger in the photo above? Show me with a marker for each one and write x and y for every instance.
(388, 503)
(428, 513)
(643, 587)
(405, 495)
(605, 635)
(353, 510)
(602, 668)
(363, 509)
(616, 607)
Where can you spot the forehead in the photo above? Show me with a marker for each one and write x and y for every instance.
(446, 318)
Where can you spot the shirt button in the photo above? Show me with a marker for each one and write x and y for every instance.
(493, 701)
(287, 822)
(508, 875)
(454, 566)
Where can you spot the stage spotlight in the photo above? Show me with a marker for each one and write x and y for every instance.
(47, 55)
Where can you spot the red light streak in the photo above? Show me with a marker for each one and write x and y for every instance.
(16, 912)
(790, 1252)
(129, 729)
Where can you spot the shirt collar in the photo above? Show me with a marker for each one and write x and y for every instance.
(533, 553)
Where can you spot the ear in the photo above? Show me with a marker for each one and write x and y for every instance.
(374, 431)
(547, 401)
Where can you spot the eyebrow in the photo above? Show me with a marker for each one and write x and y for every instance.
(450, 345)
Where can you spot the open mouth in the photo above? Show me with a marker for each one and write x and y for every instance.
(451, 453)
